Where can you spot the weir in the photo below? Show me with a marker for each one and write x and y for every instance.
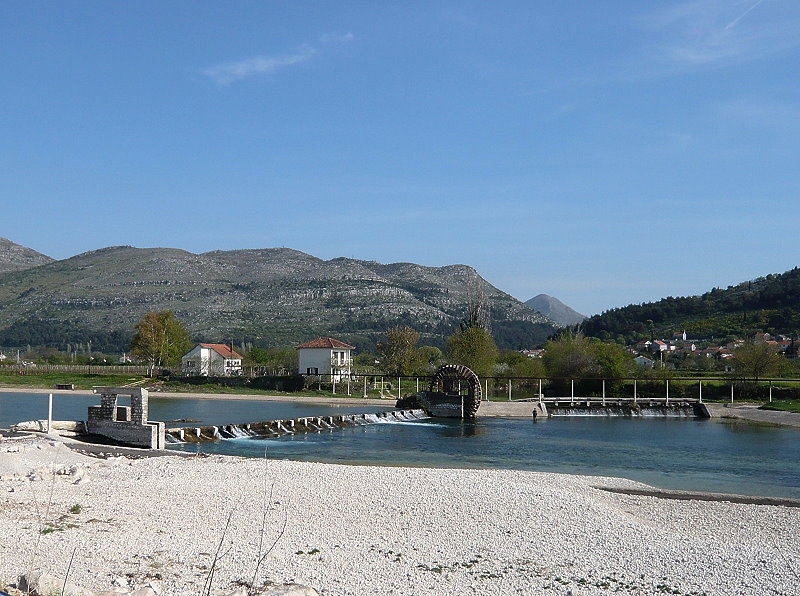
(277, 428)
(622, 407)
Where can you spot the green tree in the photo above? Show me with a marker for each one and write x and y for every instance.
(473, 347)
(430, 358)
(256, 356)
(273, 359)
(755, 361)
(518, 364)
(365, 362)
(398, 354)
(569, 356)
(160, 339)
(612, 361)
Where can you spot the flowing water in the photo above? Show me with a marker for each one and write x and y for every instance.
(672, 453)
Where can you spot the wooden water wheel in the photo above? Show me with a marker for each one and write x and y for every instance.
(456, 380)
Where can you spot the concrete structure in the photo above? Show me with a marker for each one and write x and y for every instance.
(273, 428)
(211, 360)
(660, 407)
(325, 356)
(125, 424)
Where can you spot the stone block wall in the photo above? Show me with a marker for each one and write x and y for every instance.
(125, 424)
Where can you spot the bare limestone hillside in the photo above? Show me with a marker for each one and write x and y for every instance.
(14, 257)
(274, 296)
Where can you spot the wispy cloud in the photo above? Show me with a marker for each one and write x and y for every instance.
(704, 32)
(231, 72)
(747, 11)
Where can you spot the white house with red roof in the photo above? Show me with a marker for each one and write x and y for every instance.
(211, 360)
(325, 356)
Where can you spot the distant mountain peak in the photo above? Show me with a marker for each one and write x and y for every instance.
(555, 310)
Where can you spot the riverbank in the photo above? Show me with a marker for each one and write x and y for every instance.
(751, 413)
(162, 521)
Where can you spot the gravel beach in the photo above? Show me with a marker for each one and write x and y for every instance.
(123, 523)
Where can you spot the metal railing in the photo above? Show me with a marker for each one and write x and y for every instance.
(82, 369)
(369, 384)
(535, 388)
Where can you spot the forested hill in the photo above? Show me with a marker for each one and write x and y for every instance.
(770, 304)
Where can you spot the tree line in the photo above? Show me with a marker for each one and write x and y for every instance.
(770, 304)
(160, 340)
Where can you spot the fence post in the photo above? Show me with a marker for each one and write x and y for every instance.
(770, 392)
(398, 387)
(333, 383)
(572, 391)
(540, 391)
(634, 391)
(731, 391)
(667, 402)
(604, 392)
(50, 414)
(509, 389)
(701, 390)
(365, 386)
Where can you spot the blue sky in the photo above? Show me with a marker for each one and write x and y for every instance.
(605, 153)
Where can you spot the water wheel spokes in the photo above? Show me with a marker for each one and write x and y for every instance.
(458, 380)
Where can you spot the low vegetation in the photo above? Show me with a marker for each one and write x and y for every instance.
(783, 406)
(10, 378)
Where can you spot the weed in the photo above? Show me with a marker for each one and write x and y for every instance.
(389, 554)
(76, 509)
(49, 528)
(441, 567)
(260, 558)
(435, 568)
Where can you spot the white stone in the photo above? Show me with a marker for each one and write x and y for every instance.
(290, 590)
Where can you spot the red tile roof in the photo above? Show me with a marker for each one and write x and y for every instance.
(223, 350)
(326, 343)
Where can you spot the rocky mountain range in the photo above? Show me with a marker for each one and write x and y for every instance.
(270, 297)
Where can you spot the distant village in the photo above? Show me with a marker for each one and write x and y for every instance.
(683, 352)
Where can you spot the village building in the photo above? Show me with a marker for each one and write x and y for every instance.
(536, 353)
(211, 360)
(326, 357)
(660, 346)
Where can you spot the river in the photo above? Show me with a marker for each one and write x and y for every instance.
(682, 454)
